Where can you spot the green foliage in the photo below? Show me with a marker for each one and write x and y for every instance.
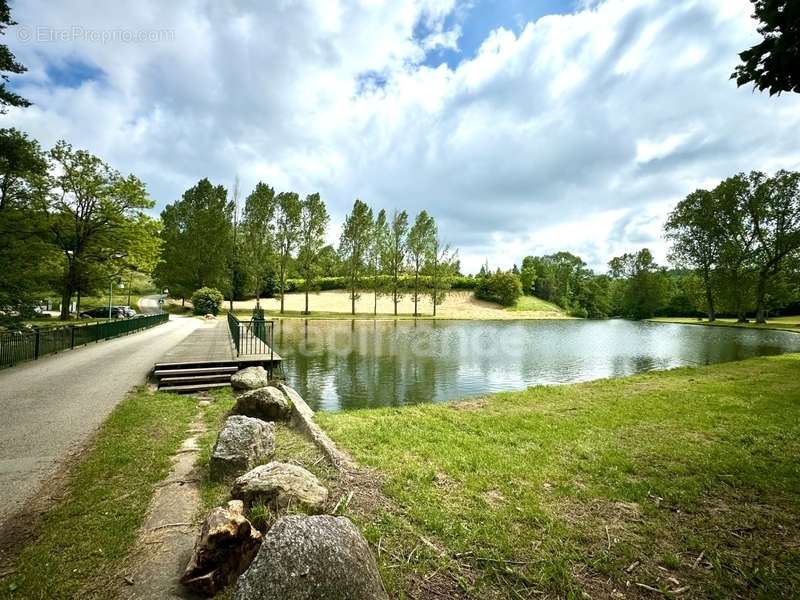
(641, 285)
(742, 240)
(354, 247)
(258, 251)
(396, 252)
(503, 288)
(313, 221)
(287, 223)
(774, 63)
(207, 301)
(97, 222)
(8, 64)
(197, 239)
(421, 243)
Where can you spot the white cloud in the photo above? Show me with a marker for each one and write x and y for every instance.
(577, 132)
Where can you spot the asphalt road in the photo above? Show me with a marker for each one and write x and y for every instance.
(50, 406)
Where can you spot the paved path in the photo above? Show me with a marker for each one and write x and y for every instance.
(52, 404)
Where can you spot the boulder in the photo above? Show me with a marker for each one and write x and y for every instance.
(280, 485)
(242, 444)
(249, 378)
(224, 549)
(267, 403)
(304, 558)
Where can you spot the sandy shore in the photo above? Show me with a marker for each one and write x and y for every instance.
(458, 305)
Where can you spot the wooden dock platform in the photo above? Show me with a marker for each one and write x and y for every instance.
(207, 358)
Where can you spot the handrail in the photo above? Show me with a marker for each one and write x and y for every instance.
(253, 337)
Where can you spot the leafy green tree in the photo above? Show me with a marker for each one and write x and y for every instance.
(354, 246)
(287, 227)
(197, 237)
(95, 217)
(441, 269)
(527, 275)
(503, 288)
(313, 221)
(643, 286)
(694, 231)
(396, 253)
(26, 255)
(258, 246)
(774, 207)
(379, 247)
(421, 239)
(329, 263)
(737, 244)
(8, 64)
(207, 301)
(773, 63)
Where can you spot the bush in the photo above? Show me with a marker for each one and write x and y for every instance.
(503, 288)
(207, 301)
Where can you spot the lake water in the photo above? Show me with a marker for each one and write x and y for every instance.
(340, 364)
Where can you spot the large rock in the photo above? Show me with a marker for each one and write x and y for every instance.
(279, 485)
(267, 403)
(250, 378)
(224, 549)
(242, 444)
(304, 558)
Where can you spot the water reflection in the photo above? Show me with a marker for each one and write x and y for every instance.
(355, 364)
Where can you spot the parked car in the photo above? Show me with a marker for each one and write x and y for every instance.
(117, 312)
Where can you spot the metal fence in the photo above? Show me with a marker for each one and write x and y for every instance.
(253, 337)
(19, 346)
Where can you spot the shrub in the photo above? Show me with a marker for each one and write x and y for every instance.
(207, 301)
(503, 288)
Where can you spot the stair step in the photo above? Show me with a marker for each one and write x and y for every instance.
(188, 389)
(195, 378)
(195, 371)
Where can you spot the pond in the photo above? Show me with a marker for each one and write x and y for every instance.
(343, 364)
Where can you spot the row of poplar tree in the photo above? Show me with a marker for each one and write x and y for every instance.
(209, 242)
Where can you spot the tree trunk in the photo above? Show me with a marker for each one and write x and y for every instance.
(761, 292)
(78, 304)
(394, 293)
(416, 289)
(281, 289)
(66, 299)
(712, 315)
(353, 298)
(306, 311)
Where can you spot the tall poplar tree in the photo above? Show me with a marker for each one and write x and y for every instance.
(354, 247)
(396, 253)
(313, 221)
(421, 239)
(287, 228)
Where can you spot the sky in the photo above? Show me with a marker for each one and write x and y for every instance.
(523, 126)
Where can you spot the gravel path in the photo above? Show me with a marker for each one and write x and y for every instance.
(52, 405)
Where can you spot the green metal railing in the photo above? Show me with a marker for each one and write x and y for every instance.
(19, 346)
(252, 337)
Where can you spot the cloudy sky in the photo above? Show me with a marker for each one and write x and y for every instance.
(523, 126)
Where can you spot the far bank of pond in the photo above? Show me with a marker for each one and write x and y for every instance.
(344, 364)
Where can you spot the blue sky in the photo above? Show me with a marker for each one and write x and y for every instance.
(576, 132)
(479, 17)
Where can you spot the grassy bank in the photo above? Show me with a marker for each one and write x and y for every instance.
(82, 540)
(681, 483)
(779, 323)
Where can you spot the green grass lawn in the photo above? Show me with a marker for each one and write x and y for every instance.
(783, 323)
(685, 482)
(532, 303)
(83, 540)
